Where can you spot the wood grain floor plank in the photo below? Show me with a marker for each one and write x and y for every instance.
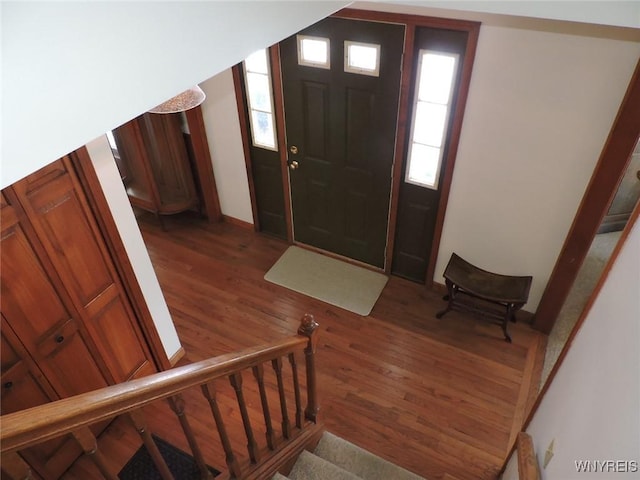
(434, 396)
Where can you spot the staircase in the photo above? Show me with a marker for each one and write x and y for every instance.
(333, 458)
(337, 459)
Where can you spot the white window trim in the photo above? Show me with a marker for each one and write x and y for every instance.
(361, 71)
(273, 148)
(307, 63)
(445, 130)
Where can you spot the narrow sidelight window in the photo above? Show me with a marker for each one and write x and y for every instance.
(431, 111)
(257, 76)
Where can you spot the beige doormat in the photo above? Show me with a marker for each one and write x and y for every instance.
(339, 283)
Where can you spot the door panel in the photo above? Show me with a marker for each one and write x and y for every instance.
(75, 252)
(35, 310)
(67, 327)
(418, 205)
(343, 126)
(24, 386)
(266, 170)
(80, 258)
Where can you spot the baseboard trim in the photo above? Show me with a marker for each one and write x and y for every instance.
(237, 222)
(176, 357)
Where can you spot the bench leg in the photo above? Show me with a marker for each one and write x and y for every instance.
(509, 315)
(450, 297)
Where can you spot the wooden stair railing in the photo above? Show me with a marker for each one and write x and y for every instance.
(74, 415)
(528, 468)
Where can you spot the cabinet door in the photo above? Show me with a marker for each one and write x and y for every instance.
(36, 311)
(138, 178)
(57, 208)
(24, 386)
(167, 153)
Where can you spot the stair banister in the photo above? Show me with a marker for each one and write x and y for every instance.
(308, 328)
(29, 427)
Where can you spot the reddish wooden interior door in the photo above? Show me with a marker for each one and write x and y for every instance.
(42, 344)
(62, 220)
(67, 327)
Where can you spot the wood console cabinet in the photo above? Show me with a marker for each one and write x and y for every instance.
(154, 164)
(67, 325)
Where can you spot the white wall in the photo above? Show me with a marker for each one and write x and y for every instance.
(74, 70)
(107, 172)
(592, 408)
(620, 13)
(220, 113)
(540, 107)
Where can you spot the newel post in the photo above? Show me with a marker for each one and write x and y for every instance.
(309, 328)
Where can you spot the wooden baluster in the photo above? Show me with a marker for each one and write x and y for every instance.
(286, 425)
(209, 392)
(252, 447)
(177, 405)
(308, 328)
(89, 444)
(138, 420)
(14, 467)
(296, 389)
(258, 372)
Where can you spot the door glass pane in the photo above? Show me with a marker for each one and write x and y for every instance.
(362, 58)
(431, 110)
(429, 123)
(423, 165)
(313, 51)
(436, 77)
(259, 91)
(260, 101)
(257, 62)
(263, 131)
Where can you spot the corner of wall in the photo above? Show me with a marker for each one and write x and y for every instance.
(109, 178)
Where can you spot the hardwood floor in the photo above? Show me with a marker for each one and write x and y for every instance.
(434, 396)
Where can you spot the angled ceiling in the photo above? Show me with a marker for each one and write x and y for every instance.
(73, 70)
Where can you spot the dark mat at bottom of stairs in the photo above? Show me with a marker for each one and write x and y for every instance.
(141, 467)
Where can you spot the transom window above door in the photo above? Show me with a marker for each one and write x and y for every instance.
(314, 51)
(362, 58)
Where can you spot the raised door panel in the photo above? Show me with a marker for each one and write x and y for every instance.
(27, 293)
(67, 229)
(24, 386)
(36, 311)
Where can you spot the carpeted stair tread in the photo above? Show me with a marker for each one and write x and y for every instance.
(359, 461)
(311, 467)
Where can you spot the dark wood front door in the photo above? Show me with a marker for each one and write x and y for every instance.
(340, 129)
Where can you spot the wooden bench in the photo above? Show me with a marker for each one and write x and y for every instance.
(467, 283)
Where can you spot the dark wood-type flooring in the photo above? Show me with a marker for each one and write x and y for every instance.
(434, 396)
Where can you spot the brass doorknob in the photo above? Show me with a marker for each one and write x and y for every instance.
(293, 149)
(293, 165)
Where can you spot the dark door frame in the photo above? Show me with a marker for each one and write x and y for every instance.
(411, 22)
(607, 175)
